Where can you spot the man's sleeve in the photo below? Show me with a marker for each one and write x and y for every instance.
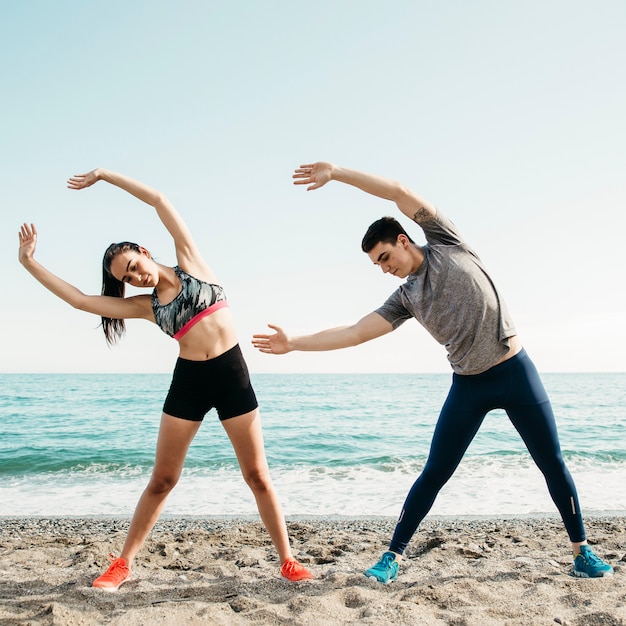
(393, 310)
(441, 231)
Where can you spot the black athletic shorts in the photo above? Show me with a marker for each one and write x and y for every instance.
(222, 383)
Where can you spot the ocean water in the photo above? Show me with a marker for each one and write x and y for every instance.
(347, 444)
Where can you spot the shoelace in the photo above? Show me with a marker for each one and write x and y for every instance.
(591, 558)
(290, 567)
(386, 561)
(117, 566)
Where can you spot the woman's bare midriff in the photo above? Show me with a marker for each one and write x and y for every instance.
(210, 337)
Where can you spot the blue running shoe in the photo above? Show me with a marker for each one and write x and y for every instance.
(588, 565)
(386, 570)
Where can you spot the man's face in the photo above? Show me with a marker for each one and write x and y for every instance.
(393, 258)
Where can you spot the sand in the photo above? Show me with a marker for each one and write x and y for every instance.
(461, 572)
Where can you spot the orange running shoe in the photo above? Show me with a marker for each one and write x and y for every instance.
(294, 572)
(117, 574)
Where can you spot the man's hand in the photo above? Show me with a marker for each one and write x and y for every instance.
(82, 181)
(278, 343)
(315, 175)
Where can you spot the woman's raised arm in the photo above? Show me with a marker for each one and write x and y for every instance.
(186, 250)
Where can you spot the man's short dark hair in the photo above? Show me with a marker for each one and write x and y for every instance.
(384, 230)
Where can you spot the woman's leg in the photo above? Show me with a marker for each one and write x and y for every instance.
(246, 436)
(175, 436)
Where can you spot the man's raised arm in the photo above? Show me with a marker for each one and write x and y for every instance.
(316, 175)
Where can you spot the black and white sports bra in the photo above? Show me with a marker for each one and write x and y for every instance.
(195, 301)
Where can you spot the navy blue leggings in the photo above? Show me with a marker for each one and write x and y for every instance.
(514, 386)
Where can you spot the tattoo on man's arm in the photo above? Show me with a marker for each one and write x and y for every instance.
(421, 215)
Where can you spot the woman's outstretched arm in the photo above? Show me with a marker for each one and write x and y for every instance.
(105, 306)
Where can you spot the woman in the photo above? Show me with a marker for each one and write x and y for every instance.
(188, 304)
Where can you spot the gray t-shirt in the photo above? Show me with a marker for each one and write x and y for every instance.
(454, 298)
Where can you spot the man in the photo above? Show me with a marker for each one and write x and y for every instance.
(450, 293)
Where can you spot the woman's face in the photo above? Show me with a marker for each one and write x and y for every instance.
(135, 268)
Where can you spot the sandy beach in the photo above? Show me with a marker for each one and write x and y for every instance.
(461, 572)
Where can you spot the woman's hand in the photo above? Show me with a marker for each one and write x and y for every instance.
(315, 175)
(82, 181)
(278, 343)
(28, 242)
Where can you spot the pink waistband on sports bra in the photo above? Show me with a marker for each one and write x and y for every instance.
(194, 320)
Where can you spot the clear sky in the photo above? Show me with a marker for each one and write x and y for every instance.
(510, 116)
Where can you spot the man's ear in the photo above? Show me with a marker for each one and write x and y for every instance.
(402, 239)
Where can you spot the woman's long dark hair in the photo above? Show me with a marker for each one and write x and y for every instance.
(114, 329)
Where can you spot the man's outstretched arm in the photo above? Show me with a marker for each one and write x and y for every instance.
(367, 328)
(316, 175)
